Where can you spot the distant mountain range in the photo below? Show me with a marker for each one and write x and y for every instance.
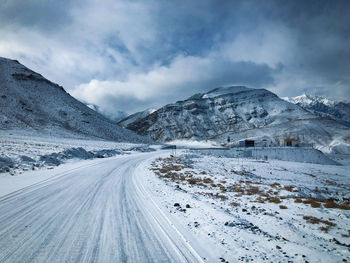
(323, 107)
(115, 117)
(238, 113)
(31, 103)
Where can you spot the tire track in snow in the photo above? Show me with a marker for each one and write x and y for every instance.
(95, 213)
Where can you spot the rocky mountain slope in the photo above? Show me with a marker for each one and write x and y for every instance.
(337, 110)
(239, 113)
(135, 117)
(31, 103)
(205, 115)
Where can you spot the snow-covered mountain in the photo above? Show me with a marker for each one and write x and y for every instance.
(115, 117)
(238, 112)
(220, 110)
(135, 117)
(29, 102)
(337, 110)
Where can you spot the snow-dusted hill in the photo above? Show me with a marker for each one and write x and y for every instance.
(239, 113)
(337, 110)
(135, 117)
(29, 102)
(206, 115)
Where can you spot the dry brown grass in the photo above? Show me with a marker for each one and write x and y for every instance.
(315, 220)
(216, 196)
(207, 180)
(288, 188)
(315, 204)
(275, 185)
(253, 190)
(223, 189)
(202, 185)
(260, 200)
(346, 235)
(222, 197)
(344, 206)
(325, 228)
(234, 204)
(331, 204)
(192, 181)
(236, 188)
(275, 200)
(175, 170)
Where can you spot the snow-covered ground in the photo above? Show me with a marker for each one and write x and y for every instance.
(194, 144)
(248, 210)
(153, 207)
(94, 212)
(22, 152)
(293, 154)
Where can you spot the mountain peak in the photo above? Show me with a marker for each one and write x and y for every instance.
(323, 107)
(225, 90)
(307, 99)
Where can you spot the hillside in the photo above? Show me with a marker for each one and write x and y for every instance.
(323, 107)
(135, 117)
(30, 103)
(205, 115)
(239, 113)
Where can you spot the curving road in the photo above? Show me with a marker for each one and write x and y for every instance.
(97, 213)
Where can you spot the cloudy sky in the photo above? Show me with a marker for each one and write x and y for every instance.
(132, 55)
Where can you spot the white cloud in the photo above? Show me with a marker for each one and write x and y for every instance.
(124, 55)
(184, 76)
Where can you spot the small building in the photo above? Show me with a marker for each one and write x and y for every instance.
(291, 142)
(247, 143)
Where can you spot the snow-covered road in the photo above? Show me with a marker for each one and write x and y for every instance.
(100, 212)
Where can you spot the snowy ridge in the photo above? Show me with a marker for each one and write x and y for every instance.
(323, 107)
(29, 102)
(306, 100)
(135, 117)
(240, 113)
(206, 115)
(225, 91)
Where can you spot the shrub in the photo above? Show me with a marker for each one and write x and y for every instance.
(275, 200)
(330, 204)
(324, 228)
(315, 204)
(207, 180)
(275, 185)
(344, 206)
(192, 181)
(288, 188)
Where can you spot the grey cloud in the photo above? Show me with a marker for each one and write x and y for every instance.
(185, 76)
(40, 15)
(172, 49)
